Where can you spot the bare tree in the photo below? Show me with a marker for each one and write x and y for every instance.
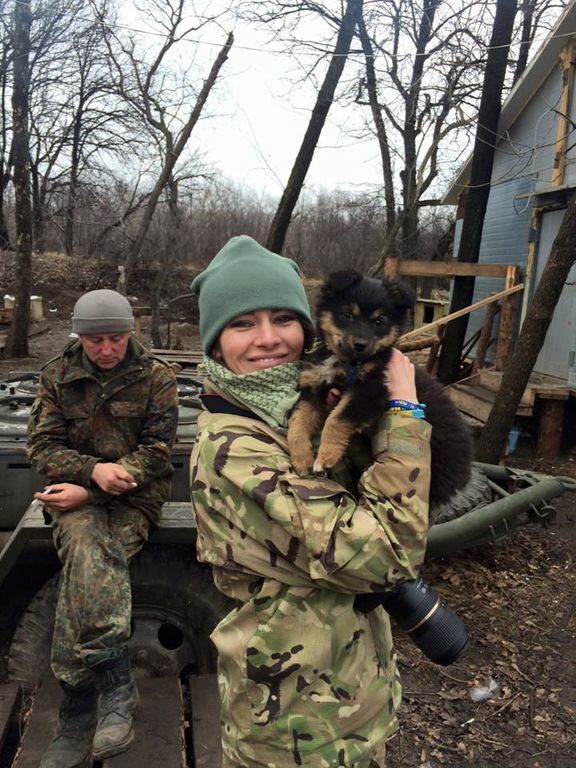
(420, 82)
(480, 176)
(5, 124)
(17, 341)
(141, 80)
(281, 222)
(534, 14)
(77, 122)
(532, 335)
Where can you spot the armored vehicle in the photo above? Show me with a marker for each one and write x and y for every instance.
(175, 604)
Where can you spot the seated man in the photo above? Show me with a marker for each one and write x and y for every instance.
(101, 431)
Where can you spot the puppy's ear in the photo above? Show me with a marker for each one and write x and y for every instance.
(338, 282)
(403, 295)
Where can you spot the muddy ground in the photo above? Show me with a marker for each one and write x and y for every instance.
(518, 599)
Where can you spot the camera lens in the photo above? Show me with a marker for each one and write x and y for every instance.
(434, 627)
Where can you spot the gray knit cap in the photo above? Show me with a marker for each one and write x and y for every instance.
(102, 311)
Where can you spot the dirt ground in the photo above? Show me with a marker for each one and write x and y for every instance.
(517, 598)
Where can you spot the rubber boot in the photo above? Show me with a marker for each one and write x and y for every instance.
(71, 746)
(117, 704)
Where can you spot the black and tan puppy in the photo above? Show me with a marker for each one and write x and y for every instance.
(359, 319)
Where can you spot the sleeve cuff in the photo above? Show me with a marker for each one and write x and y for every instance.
(394, 429)
(86, 473)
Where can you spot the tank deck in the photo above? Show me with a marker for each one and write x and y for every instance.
(177, 725)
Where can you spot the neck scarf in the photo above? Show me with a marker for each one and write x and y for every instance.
(270, 393)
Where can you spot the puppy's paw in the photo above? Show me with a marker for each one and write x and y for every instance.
(327, 457)
(302, 460)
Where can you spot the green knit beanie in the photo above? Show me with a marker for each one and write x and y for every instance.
(245, 277)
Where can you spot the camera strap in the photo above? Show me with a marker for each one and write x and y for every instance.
(217, 404)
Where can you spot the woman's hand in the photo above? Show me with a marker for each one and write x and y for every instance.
(63, 497)
(400, 378)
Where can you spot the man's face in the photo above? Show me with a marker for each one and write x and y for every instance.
(105, 350)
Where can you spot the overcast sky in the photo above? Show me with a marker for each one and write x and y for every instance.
(259, 117)
(261, 120)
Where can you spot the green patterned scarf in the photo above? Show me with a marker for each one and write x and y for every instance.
(270, 393)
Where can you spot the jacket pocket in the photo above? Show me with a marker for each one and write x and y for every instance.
(127, 409)
(322, 505)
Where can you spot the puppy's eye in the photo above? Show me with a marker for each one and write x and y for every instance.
(380, 320)
(345, 314)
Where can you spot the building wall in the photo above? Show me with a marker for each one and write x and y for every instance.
(522, 168)
(504, 241)
(527, 151)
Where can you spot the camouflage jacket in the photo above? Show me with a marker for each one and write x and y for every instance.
(82, 416)
(305, 679)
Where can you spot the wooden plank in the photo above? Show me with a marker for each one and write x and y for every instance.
(158, 727)
(460, 313)
(538, 387)
(41, 724)
(9, 702)
(491, 380)
(415, 268)
(477, 402)
(205, 707)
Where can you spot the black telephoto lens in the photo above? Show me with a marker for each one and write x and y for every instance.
(435, 628)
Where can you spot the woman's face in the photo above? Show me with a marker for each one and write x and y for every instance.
(260, 339)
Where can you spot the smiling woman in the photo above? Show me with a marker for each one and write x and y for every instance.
(305, 678)
(259, 340)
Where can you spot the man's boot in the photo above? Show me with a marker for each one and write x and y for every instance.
(117, 703)
(71, 746)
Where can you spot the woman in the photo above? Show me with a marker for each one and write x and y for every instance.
(305, 678)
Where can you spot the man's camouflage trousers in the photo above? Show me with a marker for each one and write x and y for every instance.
(94, 544)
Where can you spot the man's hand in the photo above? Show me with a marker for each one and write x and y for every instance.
(112, 478)
(63, 497)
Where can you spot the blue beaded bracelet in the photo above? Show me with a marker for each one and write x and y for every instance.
(418, 413)
(405, 405)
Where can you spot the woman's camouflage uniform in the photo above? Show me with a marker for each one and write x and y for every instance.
(82, 416)
(305, 679)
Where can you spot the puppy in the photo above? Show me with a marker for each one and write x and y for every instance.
(359, 320)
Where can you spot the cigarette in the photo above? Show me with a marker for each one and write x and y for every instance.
(133, 485)
(49, 489)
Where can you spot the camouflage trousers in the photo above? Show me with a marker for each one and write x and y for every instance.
(94, 544)
(377, 759)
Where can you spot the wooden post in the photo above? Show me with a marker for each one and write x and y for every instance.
(564, 124)
(432, 362)
(391, 268)
(550, 425)
(485, 337)
(504, 344)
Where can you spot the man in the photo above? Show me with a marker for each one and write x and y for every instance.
(101, 431)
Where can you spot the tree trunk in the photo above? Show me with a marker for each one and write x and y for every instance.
(17, 341)
(381, 133)
(528, 9)
(70, 210)
(281, 222)
(479, 191)
(530, 341)
(5, 163)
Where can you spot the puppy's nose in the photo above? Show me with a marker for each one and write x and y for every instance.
(360, 345)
